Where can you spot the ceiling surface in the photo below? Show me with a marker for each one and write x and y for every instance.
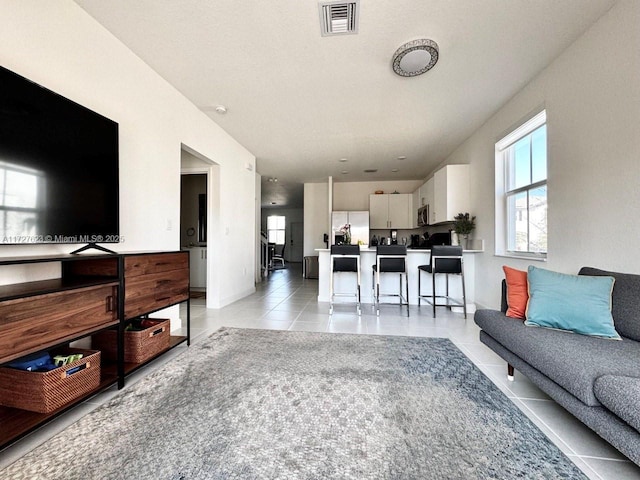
(301, 102)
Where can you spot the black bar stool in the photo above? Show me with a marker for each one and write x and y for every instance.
(390, 259)
(445, 259)
(344, 258)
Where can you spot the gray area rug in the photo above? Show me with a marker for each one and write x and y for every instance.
(263, 404)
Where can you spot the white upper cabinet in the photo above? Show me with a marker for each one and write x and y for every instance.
(400, 210)
(391, 211)
(378, 211)
(427, 193)
(450, 193)
(415, 198)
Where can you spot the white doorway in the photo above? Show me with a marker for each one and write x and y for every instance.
(193, 228)
(205, 224)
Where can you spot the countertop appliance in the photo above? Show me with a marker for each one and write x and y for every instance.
(426, 241)
(423, 216)
(443, 238)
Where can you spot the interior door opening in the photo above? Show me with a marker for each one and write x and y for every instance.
(193, 229)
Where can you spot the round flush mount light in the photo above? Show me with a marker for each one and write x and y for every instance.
(415, 58)
(220, 109)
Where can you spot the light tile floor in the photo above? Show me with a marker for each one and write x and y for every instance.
(286, 301)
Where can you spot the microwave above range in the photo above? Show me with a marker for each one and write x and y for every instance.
(423, 216)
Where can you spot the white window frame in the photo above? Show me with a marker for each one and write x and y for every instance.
(278, 234)
(501, 182)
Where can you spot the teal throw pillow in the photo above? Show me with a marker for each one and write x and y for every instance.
(577, 303)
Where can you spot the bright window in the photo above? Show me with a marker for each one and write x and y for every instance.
(275, 229)
(521, 190)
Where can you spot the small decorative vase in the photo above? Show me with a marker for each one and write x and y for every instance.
(463, 240)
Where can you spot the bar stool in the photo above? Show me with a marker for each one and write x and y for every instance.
(344, 259)
(390, 259)
(445, 259)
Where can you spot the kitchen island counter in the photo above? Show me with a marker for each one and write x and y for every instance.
(345, 283)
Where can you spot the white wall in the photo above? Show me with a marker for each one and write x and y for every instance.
(592, 97)
(355, 195)
(316, 216)
(59, 46)
(258, 220)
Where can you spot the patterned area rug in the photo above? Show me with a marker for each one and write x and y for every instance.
(262, 404)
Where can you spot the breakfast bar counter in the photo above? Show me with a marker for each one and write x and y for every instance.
(345, 283)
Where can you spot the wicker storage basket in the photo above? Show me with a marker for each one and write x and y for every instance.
(46, 392)
(139, 346)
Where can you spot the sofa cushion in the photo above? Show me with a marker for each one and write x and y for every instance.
(572, 361)
(626, 301)
(621, 395)
(577, 303)
(517, 292)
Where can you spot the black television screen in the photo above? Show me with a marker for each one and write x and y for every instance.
(58, 168)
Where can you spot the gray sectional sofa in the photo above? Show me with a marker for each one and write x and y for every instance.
(597, 380)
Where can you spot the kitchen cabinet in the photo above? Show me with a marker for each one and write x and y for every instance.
(391, 211)
(400, 211)
(198, 267)
(450, 193)
(427, 193)
(415, 199)
(423, 196)
(378, 211)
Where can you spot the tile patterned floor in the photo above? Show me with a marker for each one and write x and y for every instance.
(286, 301)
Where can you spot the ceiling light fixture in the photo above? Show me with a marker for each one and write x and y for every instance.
(415, 58)
(371, 170)
(342, 160)
(402, 157)
(273, 180)
(394, 170)
(344, 172)
(220, 109)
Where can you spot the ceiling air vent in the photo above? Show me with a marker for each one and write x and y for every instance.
(339, 18)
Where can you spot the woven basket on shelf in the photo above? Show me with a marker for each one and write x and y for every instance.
(139, 346)
(46, 392)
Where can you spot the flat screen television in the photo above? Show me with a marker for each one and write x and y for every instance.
(58, 168)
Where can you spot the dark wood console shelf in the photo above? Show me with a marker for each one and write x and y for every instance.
(94, 292)
(43, 287)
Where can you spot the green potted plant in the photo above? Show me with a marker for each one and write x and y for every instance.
(463, 225)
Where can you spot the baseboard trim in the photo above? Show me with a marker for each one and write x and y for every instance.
(223, 302)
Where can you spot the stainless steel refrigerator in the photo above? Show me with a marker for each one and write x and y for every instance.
(359, 222)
